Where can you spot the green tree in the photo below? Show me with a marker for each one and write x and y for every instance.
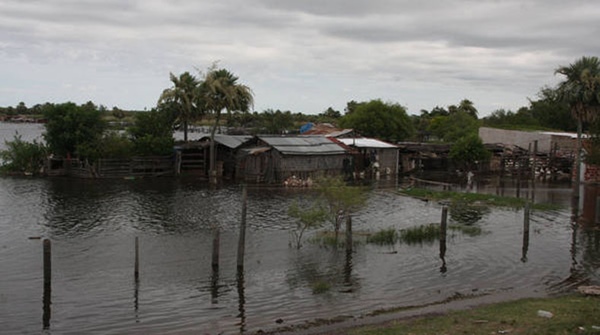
(454, 126)
(183, 100)
(385, 121)
(551, 112)
(466, 106)
(276, 122)
(330, 115)
(308, 217)
(21, 108)
(581, 91)
(468, 151)
(71, 127)
(340, 198)
(152, 133)
(221, 91)
(23, 157)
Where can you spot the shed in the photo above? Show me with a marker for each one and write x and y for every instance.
(375, 155)
(226, 147)
(276, 158)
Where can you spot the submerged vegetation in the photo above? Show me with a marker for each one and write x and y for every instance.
(420, 234)
(384, 237)
(473, 198)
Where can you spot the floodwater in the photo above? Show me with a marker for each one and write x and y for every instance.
(92, 225)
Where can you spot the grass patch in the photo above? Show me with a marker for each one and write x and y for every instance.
(485, 199)
(420, 234)
(320, 287)
(384, 237)
(572, 315)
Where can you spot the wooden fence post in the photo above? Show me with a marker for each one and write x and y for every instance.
(443, 230)
(242, 239)
(525, 232)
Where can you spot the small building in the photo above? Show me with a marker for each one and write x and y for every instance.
(559, 143)
(273, 159)
(417, 156)
(193, 158)
(376, 156)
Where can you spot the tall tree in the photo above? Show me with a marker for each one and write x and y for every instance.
(386, 121)
(221, 91)
(71, 128)
(183, 99)
(581, 91)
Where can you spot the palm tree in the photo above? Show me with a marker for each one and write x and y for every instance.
(220, 91)
(468, 106)
(183, 98)
(581, 90)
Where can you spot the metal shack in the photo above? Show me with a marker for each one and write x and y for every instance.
(375, 156)
(273, 159)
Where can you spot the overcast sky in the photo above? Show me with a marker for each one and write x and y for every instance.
(300, 55)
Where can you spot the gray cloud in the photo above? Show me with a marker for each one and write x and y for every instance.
(299, 55)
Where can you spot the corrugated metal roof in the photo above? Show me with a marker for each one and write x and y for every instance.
(230, 141)
(304, 145)
(366, 143)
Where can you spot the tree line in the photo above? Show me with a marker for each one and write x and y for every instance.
(216, 98)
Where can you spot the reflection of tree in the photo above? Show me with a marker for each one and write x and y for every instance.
(463, 212)
(77, 206)
(333, 267)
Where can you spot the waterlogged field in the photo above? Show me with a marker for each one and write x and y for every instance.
(92, 225)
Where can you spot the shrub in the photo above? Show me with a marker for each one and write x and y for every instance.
(23, 157)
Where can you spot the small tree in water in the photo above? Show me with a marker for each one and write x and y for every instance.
(341, 200)
(310, 218)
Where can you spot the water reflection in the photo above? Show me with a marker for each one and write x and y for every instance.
(241, 299)
(94, 293)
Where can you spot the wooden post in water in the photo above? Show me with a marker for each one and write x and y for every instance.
(136, 267)
(533, 168)
(443, 229)
(519, 177)
(348, 234)
(47, 297)
(242, 240)
(526, 211)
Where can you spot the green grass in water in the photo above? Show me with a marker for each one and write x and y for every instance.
(384, 237)
(427, 233)
(485, 199)
(320, 287)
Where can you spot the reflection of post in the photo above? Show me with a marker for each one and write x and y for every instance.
(214, 286)
(47, 298)
(443, 228)
(242, 240)
(215, 265)
(241, 299)
(525, 233)
(216, 247)
(348, 234)
(136, 275)
(136, 270)
(348, 270)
